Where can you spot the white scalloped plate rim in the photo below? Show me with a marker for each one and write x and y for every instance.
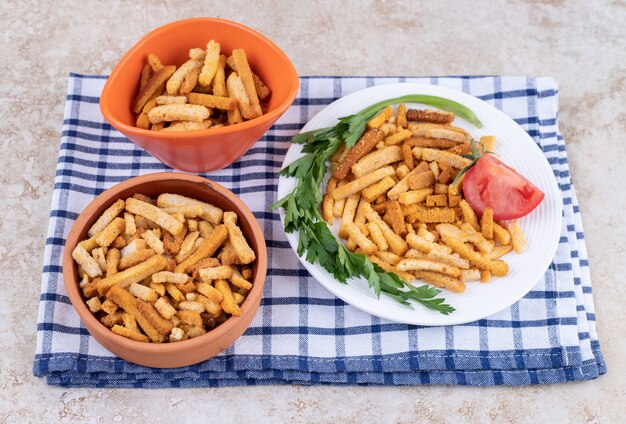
(542, 227)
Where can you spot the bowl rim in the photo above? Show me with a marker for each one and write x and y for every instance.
(269, 117)
(92, 324)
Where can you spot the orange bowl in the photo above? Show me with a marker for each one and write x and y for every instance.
(214, 148)
(187, 352)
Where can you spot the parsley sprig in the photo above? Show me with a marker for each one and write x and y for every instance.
(302, 214)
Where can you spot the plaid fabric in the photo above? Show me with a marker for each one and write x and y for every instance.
(302, 334)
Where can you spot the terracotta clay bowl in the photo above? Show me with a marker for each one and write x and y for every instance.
(213, 148)
(187, 352)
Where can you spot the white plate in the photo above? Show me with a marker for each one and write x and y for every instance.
(542, 227)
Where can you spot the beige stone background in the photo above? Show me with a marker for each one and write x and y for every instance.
(580, 43)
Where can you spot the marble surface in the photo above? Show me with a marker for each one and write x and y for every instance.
(580, 43)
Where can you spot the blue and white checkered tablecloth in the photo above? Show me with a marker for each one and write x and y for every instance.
(302, 334)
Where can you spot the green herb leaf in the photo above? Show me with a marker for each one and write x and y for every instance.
(478, 149)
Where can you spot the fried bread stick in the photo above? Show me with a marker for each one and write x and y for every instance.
(126, 301)
(367, 142)
(427, 115)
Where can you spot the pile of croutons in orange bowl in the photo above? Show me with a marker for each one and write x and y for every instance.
(198, 93)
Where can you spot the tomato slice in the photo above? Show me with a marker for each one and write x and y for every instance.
(494, 185)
